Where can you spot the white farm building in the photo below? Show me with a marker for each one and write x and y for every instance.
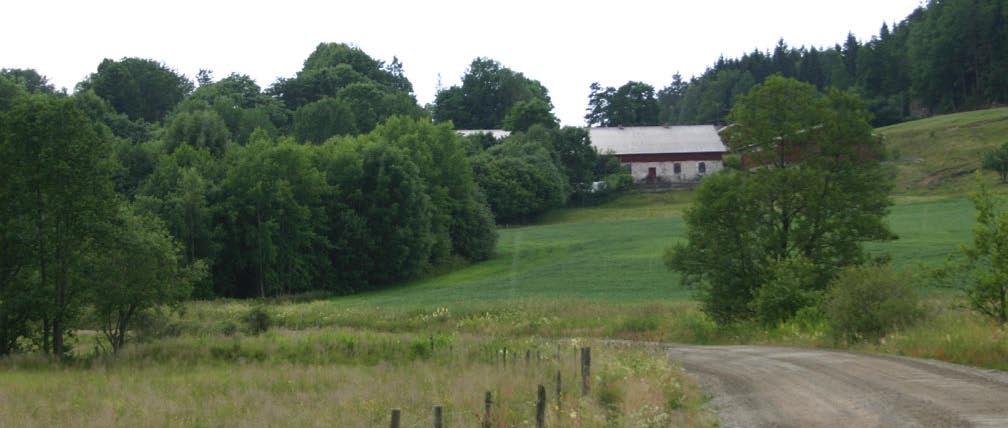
(663, 154)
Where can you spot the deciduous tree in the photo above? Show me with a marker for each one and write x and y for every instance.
(815, 189)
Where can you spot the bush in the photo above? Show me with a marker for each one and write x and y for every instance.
(790, 289)
(868, 302)
(257, 321)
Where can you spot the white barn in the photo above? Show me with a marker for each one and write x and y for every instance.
(663, 154)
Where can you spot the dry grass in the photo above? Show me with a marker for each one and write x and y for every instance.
(632, 387)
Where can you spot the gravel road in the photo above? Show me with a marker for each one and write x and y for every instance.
(755, 386)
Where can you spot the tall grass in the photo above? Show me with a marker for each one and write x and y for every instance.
(290, 379)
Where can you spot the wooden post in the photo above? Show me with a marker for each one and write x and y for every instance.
(528, 357)
(585, 370)
(558, 390)
(395, 418)
(438, 417)
(505, 357)
(541, 408)
(487, 402)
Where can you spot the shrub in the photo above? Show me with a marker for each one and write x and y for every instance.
(867, 302)
(257, 320)
(790, 289)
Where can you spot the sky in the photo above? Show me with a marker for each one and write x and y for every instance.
(566, 45)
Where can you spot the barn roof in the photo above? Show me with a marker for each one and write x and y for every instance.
(657, 139)
(496, 133)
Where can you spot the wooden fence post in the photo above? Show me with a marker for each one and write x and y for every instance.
(528, 357)
(487, 402)
(585, 370)
(438, 417)
(541, 407)
(558, 390)
(395, 418)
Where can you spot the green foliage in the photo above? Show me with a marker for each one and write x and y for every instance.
(488, 94)
(140, 88)
(982, 271)
(271, 221)
(179, 192)
(820, 194)
(257, 320)
(9, 91)
(397, 212)
(333, 67)
(943, 57)
(29, 79)
(459, 219)
(633, 104)
(790, 289)
(997, 160)
(520, 180)
(529, 112)
(238, 100)
(139, 267)
(708, 100)
(57, 192)
(868, 302)
(372, 104)
(202, 129)
(320, 120)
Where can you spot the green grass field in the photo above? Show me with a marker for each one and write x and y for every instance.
(937, 156)
(613, 254)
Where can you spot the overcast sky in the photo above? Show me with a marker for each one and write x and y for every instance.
(565, 45)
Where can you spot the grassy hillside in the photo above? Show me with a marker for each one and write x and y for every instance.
(613, 253)
(937, 156)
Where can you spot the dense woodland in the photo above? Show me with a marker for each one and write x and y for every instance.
(144, 187)
(946, 57)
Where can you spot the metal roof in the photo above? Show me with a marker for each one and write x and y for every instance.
(496, 133)
(632, 140)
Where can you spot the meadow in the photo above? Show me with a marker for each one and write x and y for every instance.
(345, 378)
(579, 276)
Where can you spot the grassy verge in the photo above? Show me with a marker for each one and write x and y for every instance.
(346, 378)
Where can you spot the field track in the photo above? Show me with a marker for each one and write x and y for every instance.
(756, 386)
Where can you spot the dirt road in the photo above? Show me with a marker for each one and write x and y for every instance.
(753, 386)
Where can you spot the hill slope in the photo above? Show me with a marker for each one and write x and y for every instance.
(938, 155)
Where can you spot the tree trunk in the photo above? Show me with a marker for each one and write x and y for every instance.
(45, 334)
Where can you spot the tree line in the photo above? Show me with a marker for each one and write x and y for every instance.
(143, 188)
(944, 57)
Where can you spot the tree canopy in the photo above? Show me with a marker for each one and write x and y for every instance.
(944, 57)
(488, 93)
(140, 88)
(813, 189)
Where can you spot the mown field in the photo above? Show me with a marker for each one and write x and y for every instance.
(613, 254)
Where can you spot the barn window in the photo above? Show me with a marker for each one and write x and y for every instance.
(702, 167)
(677, 168)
